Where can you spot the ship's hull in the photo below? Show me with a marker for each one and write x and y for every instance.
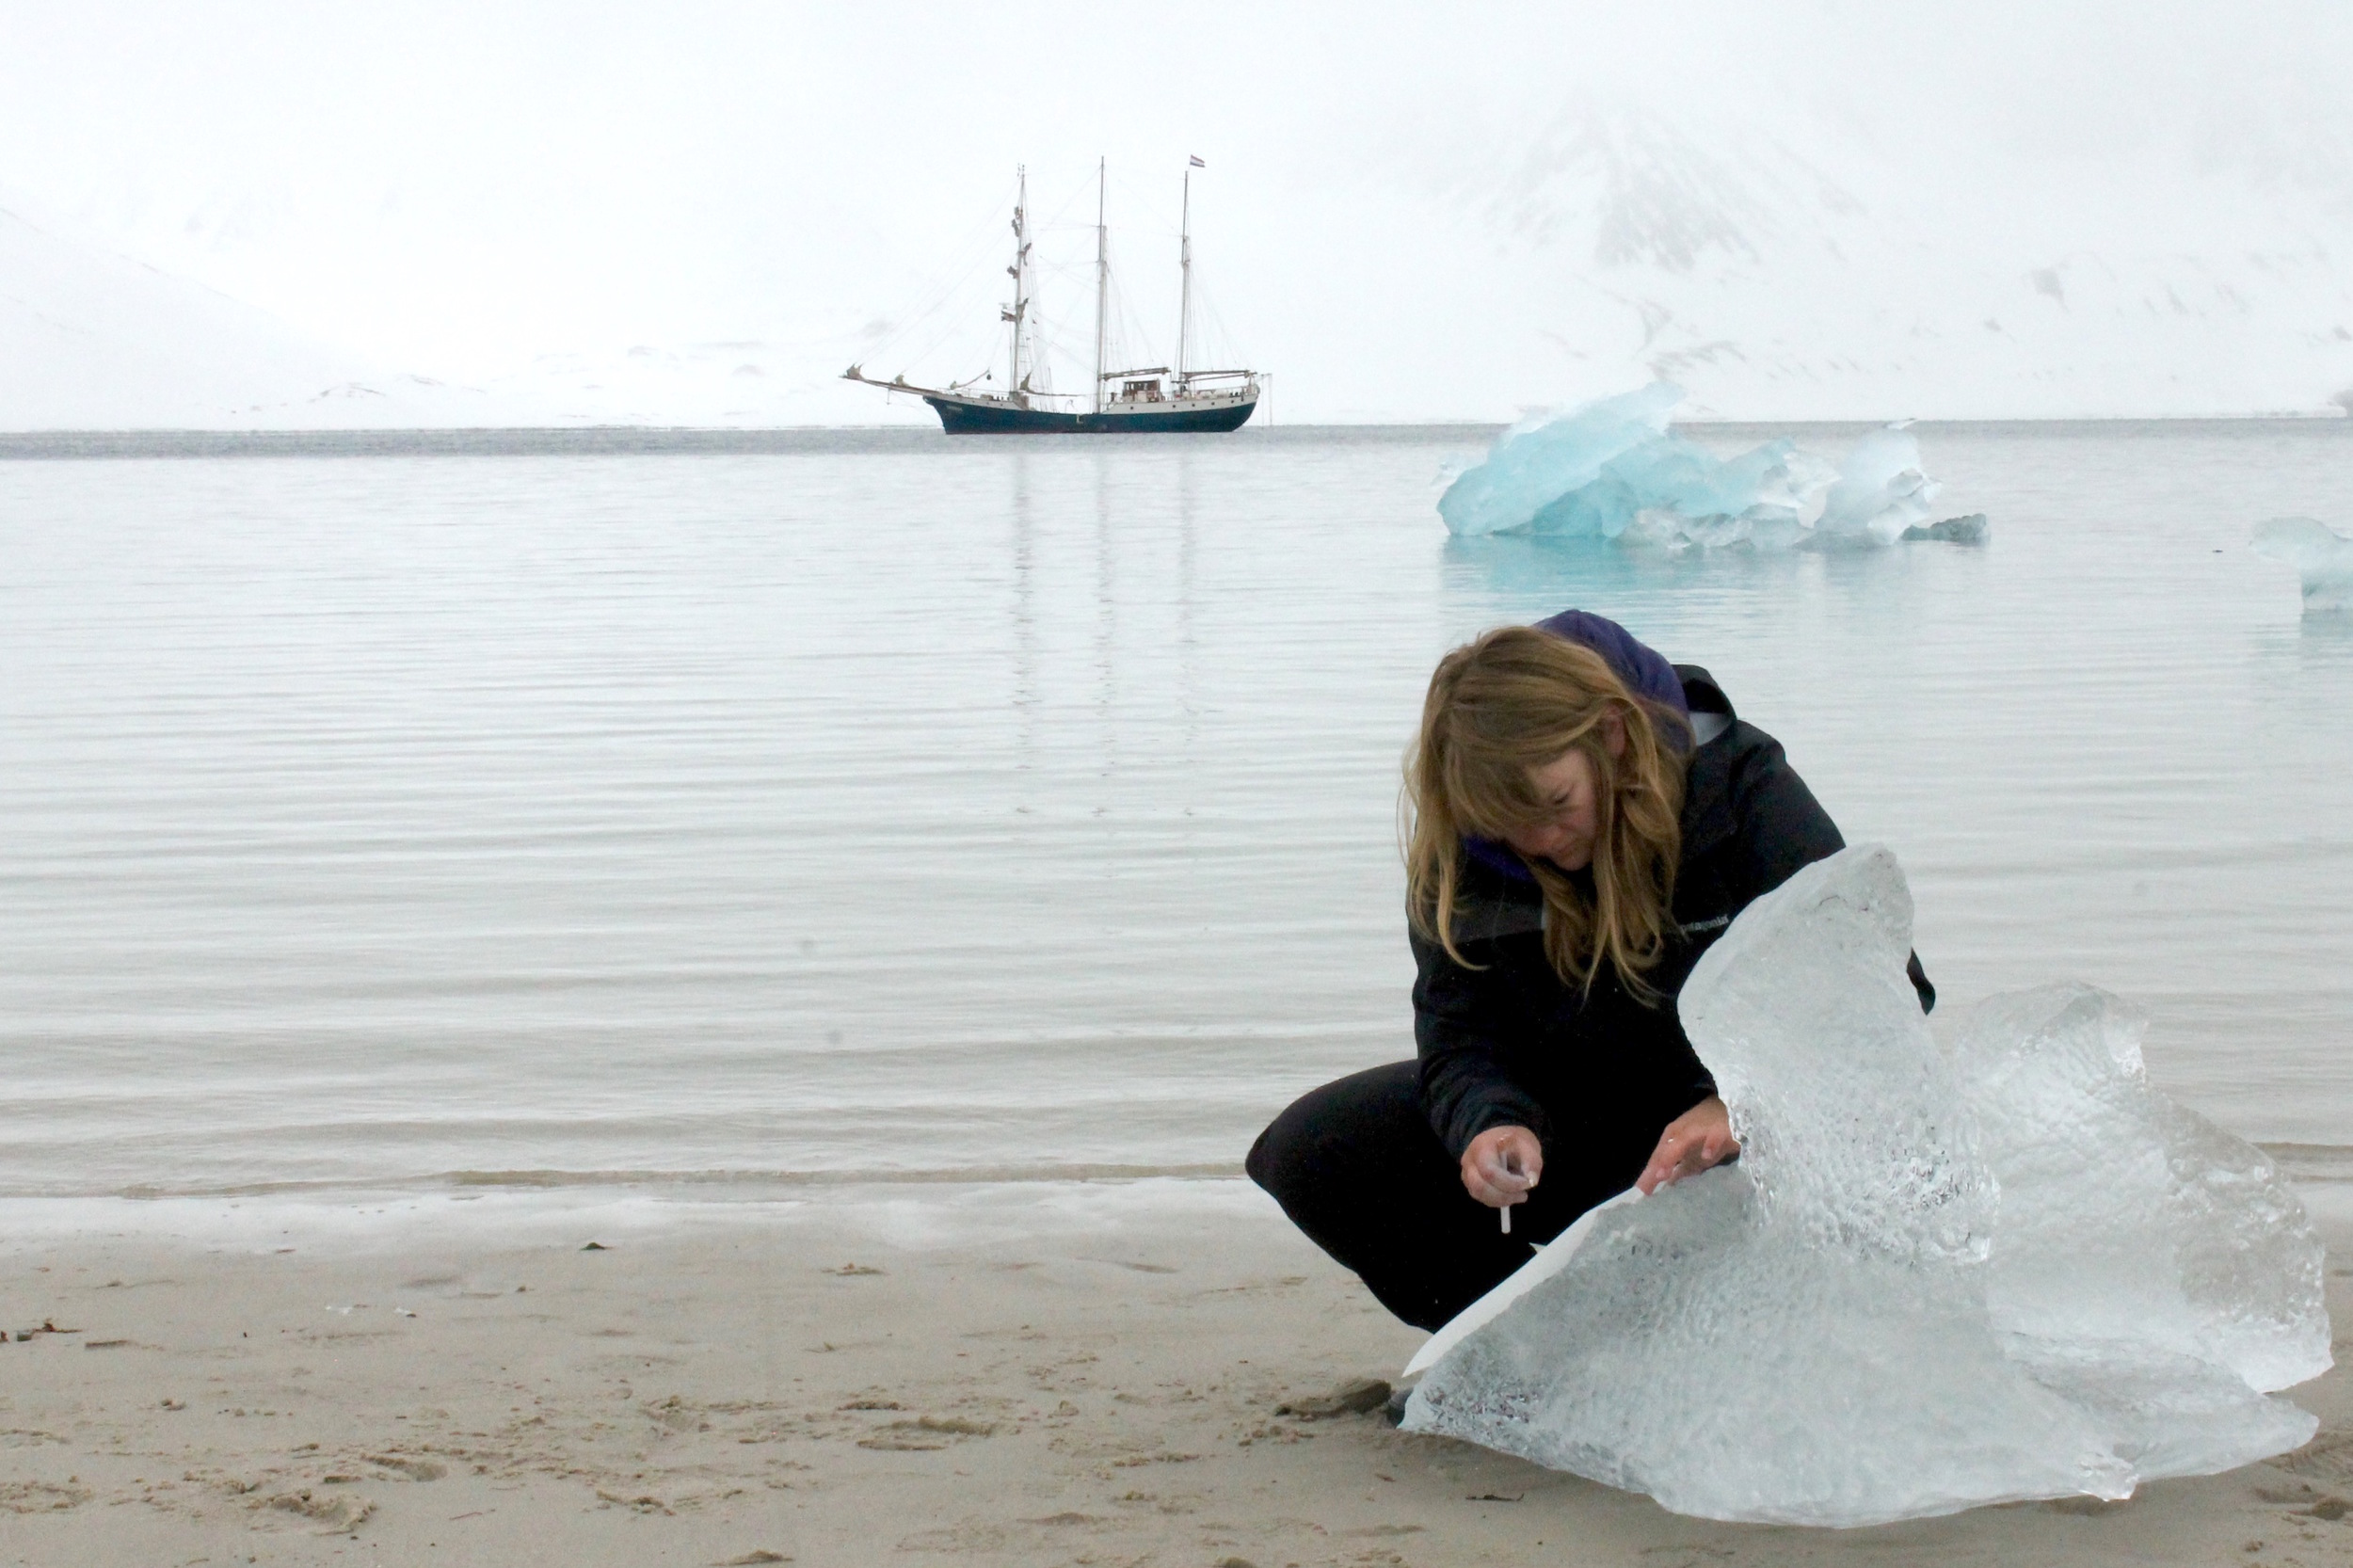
(960, 416)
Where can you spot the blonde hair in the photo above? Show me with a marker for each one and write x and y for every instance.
(1515, 700)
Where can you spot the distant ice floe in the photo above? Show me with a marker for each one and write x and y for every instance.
(1936, 1278)
(1611, 469)
(1968, 529)
(2321, 556)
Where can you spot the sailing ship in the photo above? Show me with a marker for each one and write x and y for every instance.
(1148, 399)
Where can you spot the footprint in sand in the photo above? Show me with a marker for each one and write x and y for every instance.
(923, 1435)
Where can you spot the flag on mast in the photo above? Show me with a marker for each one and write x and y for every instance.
(1197, 163)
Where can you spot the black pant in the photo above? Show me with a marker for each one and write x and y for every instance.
(1357, 1167)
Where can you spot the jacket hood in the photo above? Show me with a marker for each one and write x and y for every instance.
(1644, 668)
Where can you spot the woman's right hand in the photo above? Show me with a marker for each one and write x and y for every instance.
(1502, 1165)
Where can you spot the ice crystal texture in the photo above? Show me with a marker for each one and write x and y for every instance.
(1611, 469)
(2321, 557)
(1932, 1281)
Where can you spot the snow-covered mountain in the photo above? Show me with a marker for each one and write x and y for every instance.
(1793, 208)
(92, 339)
(1772, 283)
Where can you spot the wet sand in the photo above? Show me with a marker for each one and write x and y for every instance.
(872, 1378)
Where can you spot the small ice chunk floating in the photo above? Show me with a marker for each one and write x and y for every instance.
(1934, 1280)
(1611, 469)
(2321, 556)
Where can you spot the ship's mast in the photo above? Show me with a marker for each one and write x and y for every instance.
(1102, 281)
(1184, 267)
(1020, 269)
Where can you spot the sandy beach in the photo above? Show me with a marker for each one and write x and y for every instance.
(1084, 1374)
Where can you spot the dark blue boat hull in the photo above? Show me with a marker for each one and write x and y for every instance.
(959, 418)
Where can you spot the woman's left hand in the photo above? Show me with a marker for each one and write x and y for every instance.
(1694, 1141)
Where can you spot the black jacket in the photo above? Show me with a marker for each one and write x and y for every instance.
(1509, 1045)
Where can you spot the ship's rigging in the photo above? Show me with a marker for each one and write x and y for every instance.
(1170, 396)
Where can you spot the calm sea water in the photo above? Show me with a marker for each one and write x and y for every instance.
(889, 804)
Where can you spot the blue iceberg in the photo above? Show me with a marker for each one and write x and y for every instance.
(2321, 557)
(1880, 491)
(1612, 470)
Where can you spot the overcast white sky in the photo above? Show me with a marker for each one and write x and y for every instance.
(1404, 213)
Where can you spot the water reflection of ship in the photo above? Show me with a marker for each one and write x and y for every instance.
(1153, 398)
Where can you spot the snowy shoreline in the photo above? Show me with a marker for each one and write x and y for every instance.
(686, 439)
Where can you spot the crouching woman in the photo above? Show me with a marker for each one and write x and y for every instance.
(1586, 821)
